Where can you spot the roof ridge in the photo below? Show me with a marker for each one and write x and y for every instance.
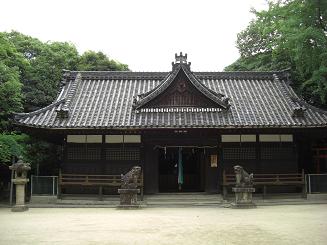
(295, 98)
(22, 115)
(156, 90)
(161, 74)
(217, 97)
(117, 75)
(242, 74)
(152, 90)
(72, 91)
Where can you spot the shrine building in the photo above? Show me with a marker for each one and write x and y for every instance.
(184, 128)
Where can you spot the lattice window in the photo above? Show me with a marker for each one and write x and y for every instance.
(276, 152)
(239, 153)
(83, 153)
(122, 154)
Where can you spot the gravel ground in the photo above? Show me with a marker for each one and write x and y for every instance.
(293, 224)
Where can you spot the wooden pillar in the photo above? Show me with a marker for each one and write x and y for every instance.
(59, 184)
(103, 155)
(100, 193)
(258, 165)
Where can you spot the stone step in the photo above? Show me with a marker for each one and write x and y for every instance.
(87, 202)
(185, 199)
(181, 203)
(165, 199)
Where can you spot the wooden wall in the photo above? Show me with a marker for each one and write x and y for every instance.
(261, 157)
(256, 157)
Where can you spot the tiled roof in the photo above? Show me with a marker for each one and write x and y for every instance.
(105, 100)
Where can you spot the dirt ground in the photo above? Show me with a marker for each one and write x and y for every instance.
(293, 224)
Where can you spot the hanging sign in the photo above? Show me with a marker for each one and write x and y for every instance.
(214, 161)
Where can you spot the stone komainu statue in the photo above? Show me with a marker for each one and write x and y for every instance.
(129, 180)
(243, 179)
(20, 168)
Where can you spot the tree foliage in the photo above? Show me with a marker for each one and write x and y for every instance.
(98, 61)
(30, 75)
(46, 60)
(11, 145)
(290, 34)
(41, 153)
(43, 79)
(30, 149)
(12, 65)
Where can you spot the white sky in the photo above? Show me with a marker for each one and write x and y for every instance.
(145, 34)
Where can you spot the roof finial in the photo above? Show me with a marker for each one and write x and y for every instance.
(181, 59)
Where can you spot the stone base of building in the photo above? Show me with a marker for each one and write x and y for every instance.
(318, 196)
(19, 208)
(128, 198)
(128, 206)
(243, 197)
(43, 199)
(243, 205)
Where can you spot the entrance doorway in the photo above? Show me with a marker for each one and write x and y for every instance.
(192, 170)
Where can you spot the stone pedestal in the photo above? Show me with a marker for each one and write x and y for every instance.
(243, 197)
(20, 195)
(128, 198)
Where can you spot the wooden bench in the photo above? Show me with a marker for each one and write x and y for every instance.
(100, 181)
(264, 180)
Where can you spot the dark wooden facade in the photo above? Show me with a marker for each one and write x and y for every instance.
(157, 155)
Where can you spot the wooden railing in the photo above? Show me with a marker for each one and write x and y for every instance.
(287, 179)
(100, 181)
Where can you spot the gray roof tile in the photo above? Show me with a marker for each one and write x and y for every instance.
(105, 100)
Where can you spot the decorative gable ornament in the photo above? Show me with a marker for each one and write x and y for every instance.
(298, 111)
(181, 86)
(180, 89)
(63, 113)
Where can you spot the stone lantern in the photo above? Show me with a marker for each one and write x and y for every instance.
(20, 181)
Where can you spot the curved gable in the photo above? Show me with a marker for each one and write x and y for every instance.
(181, 88)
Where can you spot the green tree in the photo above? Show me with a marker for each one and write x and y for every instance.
(32, 150)
(11, 145)
(98, 61)
(30, 75)
(290, 34)
(28, 46)
(42, 81)
(42, 77)
(46, 60)
(41, 153)
(12, 64)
